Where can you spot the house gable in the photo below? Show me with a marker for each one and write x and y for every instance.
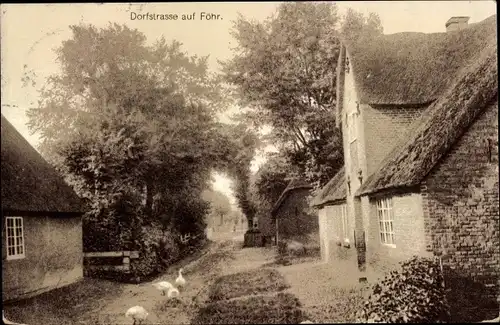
(352, 128)
(369, 131)
(334, 191)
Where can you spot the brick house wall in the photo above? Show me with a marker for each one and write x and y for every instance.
(461, 205)
(409, 233)
(382, 128)
(295, 222)
(378, 130)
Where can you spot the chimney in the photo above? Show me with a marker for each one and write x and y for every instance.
(457, 23)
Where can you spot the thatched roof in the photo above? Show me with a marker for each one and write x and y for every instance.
(414, 68)
(294, 184)
(444, 122)
(333, 191)
(29, 182)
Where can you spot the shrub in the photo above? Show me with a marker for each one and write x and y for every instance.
(282, 247)
(340, 307)
(413, 294)
(247, 283)
(157, 250)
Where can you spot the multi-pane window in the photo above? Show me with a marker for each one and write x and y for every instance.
(14, 237)
(385, 213)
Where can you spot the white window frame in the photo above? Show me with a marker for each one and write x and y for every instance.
(14, 242)
(385, 214)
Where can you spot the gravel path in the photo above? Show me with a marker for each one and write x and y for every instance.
(248, 259)
(198, 274)
(329, 293)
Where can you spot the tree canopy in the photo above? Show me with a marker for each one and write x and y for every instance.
(284, 74)
(133, 128)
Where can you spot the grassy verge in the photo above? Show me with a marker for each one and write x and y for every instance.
(247, 283)
(250, 297)
(340, 307)
(65, 305)
(210, 260)
(280, 308)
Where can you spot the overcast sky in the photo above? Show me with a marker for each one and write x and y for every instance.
(29, 32)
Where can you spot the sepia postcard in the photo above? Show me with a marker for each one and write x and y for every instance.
(250, 162)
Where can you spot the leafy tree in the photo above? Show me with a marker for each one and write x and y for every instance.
(220, 207)
(244, 142)
(270, 181)
(355, 25)
(283, 71)
(133, 128)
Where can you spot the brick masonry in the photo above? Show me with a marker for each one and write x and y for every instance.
(408, 228)
(461, 205)
(380, 128)
(383, 127)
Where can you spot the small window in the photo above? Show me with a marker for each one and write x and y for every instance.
(386, 221)
(14, 237)
(255, 223)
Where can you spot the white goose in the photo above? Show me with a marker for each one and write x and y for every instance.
(173, 293)
(163, 286)
(6, 321)
(137, 313)
(180, 281)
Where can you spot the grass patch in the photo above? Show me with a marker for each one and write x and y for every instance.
(209, 261)
(66, 305)
(247, 283)
(280, 308)
(341, 306)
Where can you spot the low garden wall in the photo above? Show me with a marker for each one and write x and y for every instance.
(111, 265)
